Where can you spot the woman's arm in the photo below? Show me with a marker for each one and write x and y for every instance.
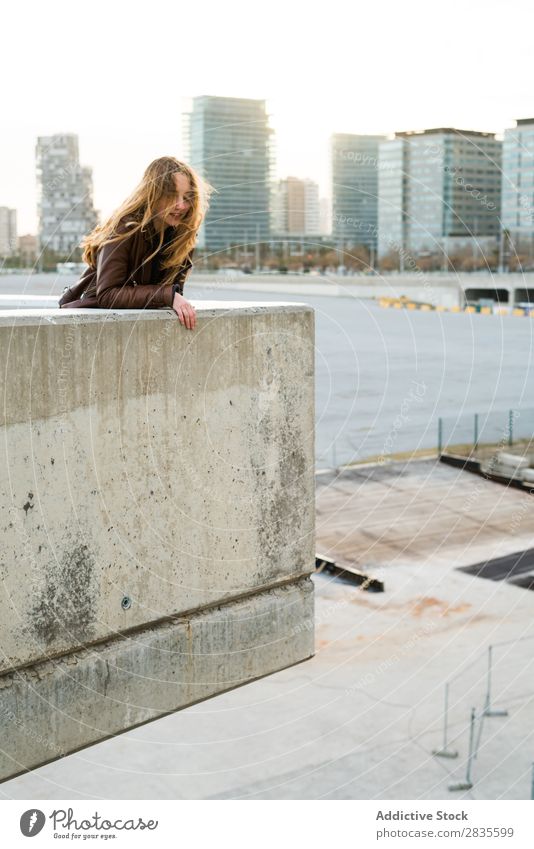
(112, 291)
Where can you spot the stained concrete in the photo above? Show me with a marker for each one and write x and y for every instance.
(152, 471)
(57, 707)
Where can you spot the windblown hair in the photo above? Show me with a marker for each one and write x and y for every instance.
(139, 210)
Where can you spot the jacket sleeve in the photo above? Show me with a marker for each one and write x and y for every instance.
(72, 293)
(112, 289)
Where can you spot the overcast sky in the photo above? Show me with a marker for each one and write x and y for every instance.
(117, 74)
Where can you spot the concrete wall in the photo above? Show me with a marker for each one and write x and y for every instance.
(160, 494)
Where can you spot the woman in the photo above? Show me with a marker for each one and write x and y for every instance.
(139, 258)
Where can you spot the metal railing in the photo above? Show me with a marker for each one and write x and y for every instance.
(476, 717)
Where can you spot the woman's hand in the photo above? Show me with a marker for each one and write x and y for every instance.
(184, 310)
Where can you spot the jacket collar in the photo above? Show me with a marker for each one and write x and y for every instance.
(149, 232)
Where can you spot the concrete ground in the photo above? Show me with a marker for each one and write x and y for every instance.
(361, 718)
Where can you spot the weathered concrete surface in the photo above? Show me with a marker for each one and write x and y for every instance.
(152, 471)
(387, 515)
(56, 707)
(173, 467)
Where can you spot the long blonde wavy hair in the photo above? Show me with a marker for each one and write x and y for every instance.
(141, 206)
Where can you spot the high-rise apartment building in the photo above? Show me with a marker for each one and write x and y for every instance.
(438, 188)
(8, 231)
(355, 189)
(518, 182)
(295, 208)
(230, 143)
(65, 194)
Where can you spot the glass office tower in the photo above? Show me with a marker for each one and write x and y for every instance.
(392, 189)
(354, 161)
(439, 184)
(230, 144)
(518, 183)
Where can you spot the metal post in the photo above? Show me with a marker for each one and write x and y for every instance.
(487, 706)
(467, 784)
(444, 752)
(471, 749)
(479, 735)
(510, 427)
(500, 268)
(476, 432)
(440, 436)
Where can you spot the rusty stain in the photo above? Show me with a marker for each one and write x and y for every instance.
(416, 606)
(445, 608)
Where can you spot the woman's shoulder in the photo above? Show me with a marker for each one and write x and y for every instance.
(115, 244)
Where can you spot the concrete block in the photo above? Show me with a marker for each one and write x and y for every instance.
(514, 461)
(153, 470)
(157, 515)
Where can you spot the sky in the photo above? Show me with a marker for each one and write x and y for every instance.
(119, 74)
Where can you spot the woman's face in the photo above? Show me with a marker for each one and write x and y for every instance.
(173, 208)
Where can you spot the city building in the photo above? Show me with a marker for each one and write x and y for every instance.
(325, 216)
(312, 217)
(439, 190)
(392, 196)
(354, 163)
(8, 231)
(65, 194)
(28, 249)
(518, 183)
(295, 209)
(229, 142)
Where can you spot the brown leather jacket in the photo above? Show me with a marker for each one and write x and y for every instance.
(121, 280)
